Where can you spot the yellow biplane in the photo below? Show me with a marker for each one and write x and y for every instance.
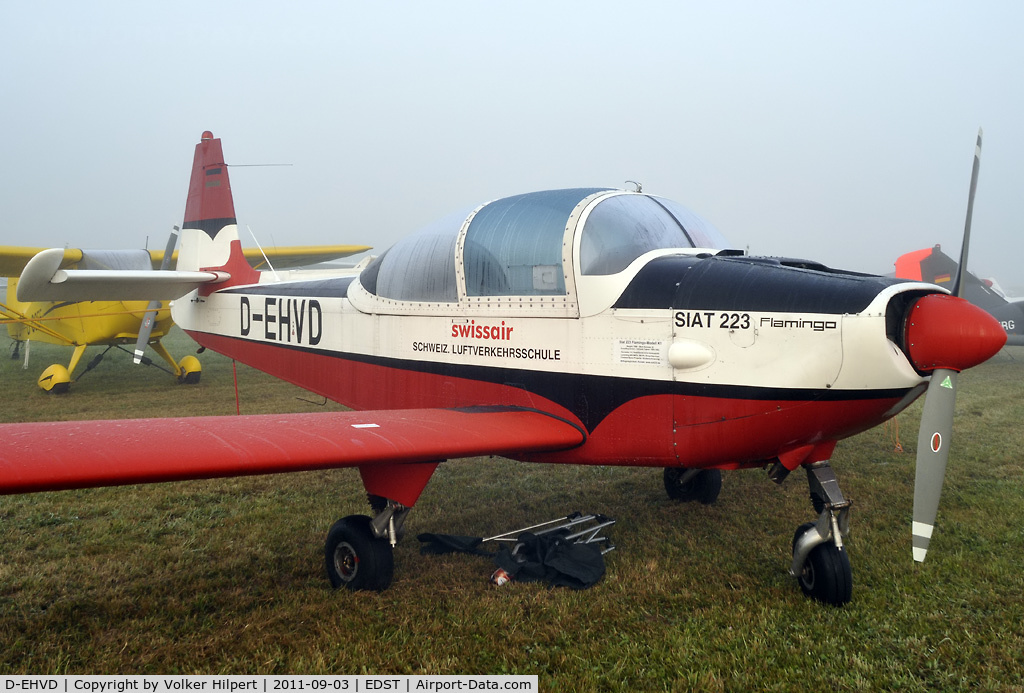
(117, 323)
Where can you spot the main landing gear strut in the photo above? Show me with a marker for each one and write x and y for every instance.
(359, 548)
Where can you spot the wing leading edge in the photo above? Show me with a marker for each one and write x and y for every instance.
(51, 456)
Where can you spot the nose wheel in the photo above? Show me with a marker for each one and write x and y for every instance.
(821, 563)
(825, 574)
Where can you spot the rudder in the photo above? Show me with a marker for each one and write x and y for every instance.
(209, 233)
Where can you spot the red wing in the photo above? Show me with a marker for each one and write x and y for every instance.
(79, 454)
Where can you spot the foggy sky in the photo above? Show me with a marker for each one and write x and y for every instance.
(837, 133)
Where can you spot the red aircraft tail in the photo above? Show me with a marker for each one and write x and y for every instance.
(209, 234)
(928, 265)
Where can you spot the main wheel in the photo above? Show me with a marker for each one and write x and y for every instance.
(355, 558)
(704, 486)
(826, 574)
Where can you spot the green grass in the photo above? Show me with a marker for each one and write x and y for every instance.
(226, 576)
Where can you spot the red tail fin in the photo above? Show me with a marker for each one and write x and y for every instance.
(908, 265)
(928, 265)
(209, 205)
(209, 234)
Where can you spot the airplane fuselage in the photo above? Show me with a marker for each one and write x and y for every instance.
(677, 369)
(80, 323)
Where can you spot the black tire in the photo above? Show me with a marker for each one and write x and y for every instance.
(355, 558)
(703, 486)
(826, 574)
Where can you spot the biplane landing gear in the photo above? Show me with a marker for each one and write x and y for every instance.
(687, 485)
(56, 380)
(190, 369)
(820, 562)
(358, 552)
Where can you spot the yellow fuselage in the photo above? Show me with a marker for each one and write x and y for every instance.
(79, 324)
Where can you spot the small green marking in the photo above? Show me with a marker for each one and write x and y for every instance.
(947, 383)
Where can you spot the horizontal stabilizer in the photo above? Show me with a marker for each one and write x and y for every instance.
(51, 456)
(14, 258)
(44, 280)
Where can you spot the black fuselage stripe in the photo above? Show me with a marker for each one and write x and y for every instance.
(593, 397)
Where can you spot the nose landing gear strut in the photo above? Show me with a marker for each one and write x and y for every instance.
(820, 562)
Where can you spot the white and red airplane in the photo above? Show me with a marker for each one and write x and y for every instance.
(582, 326)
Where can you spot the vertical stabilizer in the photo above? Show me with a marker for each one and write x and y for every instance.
(209, 234)
(209, 205)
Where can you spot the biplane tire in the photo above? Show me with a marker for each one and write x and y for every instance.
(355, 558)
(826, 574)
(55, 380)
(704, 486)
(191, 370)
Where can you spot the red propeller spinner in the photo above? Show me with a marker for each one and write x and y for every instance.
(944, 331)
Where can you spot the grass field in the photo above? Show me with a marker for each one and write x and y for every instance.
(227, 576)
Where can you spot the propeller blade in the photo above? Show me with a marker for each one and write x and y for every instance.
(958, 283)
(936, 433)
(145, 330)
(173, 241)
(933, 441)
(150, 317)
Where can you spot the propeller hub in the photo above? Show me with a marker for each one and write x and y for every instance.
(944, 331)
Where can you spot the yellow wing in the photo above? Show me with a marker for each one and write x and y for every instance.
(14, 258)
(285, 257)
(300, 255)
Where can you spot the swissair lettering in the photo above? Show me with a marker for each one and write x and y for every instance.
(474, 331)
(501, 333)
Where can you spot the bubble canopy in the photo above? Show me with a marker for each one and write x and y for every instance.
(524, 245)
